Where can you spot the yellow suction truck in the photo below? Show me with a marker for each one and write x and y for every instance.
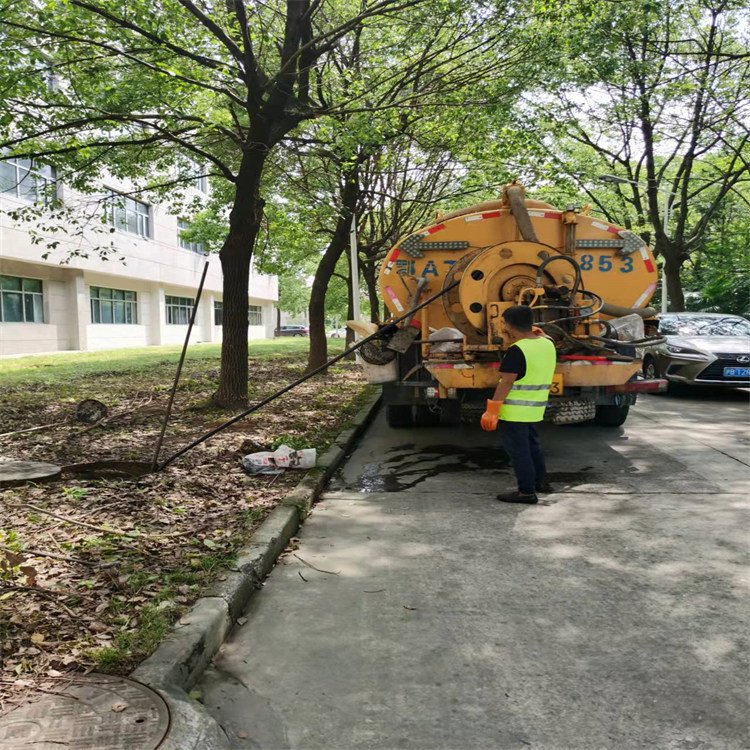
(588, 283)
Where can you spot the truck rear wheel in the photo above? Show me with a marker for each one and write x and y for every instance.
(426, 416)
(450, 413)
(399, 415)
(609, 415)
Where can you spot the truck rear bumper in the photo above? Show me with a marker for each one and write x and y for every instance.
(657, 385)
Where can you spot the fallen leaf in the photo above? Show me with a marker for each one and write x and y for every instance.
(14, 559)
(118, 708)
(30, 573)
(37, 638)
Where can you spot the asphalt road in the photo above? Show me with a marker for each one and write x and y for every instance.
(612, 616)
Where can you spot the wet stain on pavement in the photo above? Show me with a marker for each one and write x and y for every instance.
(572, 477)
(405, 466)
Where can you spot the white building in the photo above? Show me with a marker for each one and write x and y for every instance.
(93, 303)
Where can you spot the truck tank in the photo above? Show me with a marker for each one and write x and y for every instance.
(587, 281)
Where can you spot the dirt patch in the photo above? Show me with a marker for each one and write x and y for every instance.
(93, 572)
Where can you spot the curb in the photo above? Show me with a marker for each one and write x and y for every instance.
(177, 664)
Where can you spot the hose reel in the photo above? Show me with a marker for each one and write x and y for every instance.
(500, 273)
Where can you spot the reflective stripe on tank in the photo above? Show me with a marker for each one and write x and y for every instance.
(646, 260)
(519, 402)
(530, 387)
(650, 289)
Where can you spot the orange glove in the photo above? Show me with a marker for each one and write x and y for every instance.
(490, 417)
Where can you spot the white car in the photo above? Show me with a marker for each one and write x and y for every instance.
(701, 349)
(337, 333)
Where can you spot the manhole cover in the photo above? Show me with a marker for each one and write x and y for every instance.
(96, 712)
(18, 472)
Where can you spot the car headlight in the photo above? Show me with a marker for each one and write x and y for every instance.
(673, 349)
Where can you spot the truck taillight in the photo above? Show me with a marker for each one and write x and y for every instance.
(431, 392)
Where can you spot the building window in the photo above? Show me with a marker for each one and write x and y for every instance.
(113, 306)
(218, 313)
(22, 178)
(201, 183)
(21, 300)
(196, 247)
(179, 310)
(128, 214)
(255, 315)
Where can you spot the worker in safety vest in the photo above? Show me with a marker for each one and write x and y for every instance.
(519, 402)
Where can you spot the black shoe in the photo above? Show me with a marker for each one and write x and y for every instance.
(544, 487)
(517, 497)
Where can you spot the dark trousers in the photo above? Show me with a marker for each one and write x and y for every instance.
(521, 442)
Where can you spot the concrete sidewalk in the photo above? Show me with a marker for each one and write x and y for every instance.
(612, 617)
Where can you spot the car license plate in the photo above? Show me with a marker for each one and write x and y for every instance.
(737, 372)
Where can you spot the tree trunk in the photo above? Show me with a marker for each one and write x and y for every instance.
(339, 242)
(236, 254)
(675, 295)
(672, 256)
(369, 272)
(317, 309)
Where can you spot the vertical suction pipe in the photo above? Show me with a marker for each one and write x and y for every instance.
(155, 460)
(515, 196)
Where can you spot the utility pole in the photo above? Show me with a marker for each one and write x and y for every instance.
(354, 270)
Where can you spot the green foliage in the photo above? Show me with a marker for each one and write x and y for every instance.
(75, 493)
(12, 557)
(133, 645)
(296, 442)
(439, 103)
(719, 275)
(66, 369)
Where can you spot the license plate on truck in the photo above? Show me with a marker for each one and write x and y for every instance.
(557, 384)
(737, 372)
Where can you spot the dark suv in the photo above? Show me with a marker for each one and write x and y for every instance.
(292, 331)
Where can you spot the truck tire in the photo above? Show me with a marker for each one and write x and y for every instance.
(610, 415)
(399, 415)
(426, 416)
(570, 411)
(450, 413)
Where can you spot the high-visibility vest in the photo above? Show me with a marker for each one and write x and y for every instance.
(529, 395)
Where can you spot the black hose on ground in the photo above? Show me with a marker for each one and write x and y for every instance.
(305, 377)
